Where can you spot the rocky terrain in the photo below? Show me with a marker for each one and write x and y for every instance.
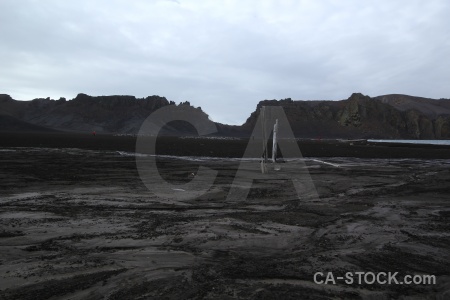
(359, 116)
(104, 114)
(80, 224)
(390, 116)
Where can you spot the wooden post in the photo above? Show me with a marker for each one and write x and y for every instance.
(264, 140)
(274, 145)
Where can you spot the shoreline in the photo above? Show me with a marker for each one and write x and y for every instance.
(184, 146)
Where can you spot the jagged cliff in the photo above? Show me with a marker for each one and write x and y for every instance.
(103, 114)
(359, 116)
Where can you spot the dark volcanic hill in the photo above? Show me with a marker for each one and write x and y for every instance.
(104, 114)
(359, 116)
(389, 116)
(9, 123)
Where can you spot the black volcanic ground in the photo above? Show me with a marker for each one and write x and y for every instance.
(79, 223)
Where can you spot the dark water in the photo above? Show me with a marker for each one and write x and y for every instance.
(417, 142)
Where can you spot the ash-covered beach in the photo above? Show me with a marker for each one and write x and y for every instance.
(77, 221)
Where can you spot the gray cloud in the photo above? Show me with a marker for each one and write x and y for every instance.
(224, 56)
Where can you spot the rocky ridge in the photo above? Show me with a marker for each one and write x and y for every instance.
(359, 116)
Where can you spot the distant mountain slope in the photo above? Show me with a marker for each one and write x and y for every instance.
(430, 107)
(104, 114)
(9, 123)
(359, 116)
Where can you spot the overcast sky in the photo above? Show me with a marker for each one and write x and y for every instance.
(225, 56)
